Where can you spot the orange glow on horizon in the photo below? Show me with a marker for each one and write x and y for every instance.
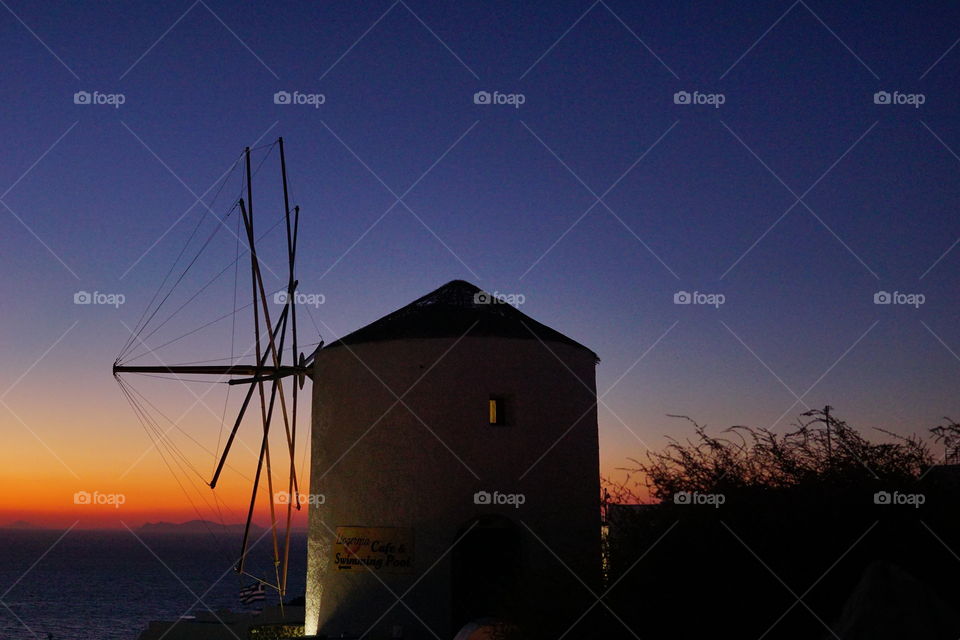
(130, 484)
(103, 449)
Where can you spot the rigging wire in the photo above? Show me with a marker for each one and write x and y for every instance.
(142, 324)
(152, 432)
(189, 333)
(182, 275)
(234, 263)
(176, 425)
(233, 339)
(137, 327)
(163, 443)
(137, 331)
(235, 358)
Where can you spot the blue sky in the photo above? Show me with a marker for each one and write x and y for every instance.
(598, 198)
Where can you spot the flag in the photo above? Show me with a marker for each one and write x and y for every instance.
(252, 593)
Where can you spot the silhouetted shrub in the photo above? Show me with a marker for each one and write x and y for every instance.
(764, 534)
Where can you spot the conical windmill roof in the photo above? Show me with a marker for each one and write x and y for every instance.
(456, 309)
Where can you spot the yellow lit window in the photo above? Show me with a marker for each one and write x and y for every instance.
(496, 411)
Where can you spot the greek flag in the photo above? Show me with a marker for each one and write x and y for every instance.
(252, 593)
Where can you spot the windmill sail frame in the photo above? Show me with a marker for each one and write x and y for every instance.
(267, 370)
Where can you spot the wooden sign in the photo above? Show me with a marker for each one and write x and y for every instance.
(377, 549)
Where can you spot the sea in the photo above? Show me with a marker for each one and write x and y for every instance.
(108, 585)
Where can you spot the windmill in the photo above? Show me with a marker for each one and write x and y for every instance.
(502, 391)
(264, 377)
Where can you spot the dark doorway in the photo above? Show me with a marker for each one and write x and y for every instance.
(486, 565)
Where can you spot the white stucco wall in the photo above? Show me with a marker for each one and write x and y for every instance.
(379, 466)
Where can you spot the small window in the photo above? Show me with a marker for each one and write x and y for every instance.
(497, 411)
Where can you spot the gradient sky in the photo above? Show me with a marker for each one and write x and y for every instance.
(692, 198)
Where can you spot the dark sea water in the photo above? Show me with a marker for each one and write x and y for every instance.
(106, 585)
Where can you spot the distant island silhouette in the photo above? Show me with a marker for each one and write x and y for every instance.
(195, 526)
(21, 524)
